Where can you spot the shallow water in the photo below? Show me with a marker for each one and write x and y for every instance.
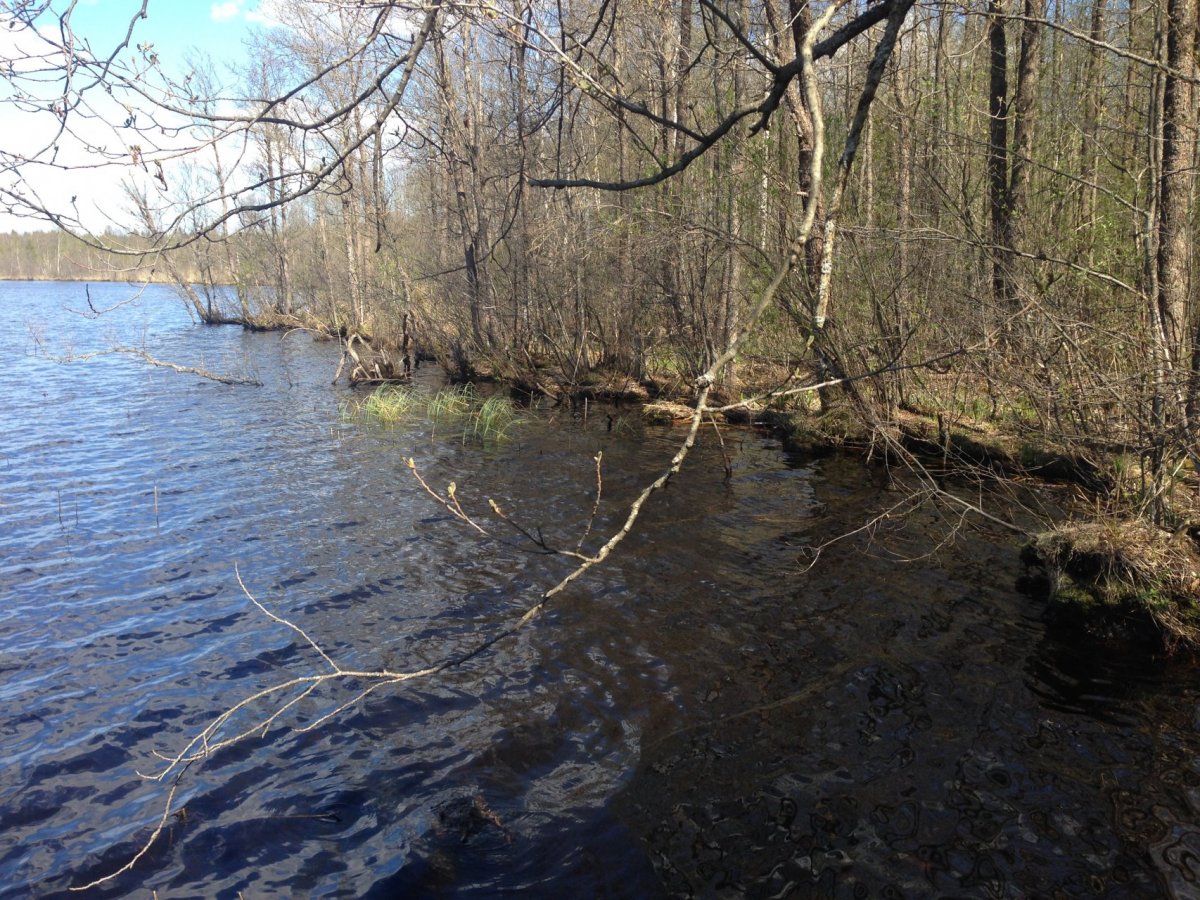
(700, 716)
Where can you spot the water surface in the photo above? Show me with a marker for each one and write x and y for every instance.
(699, 717)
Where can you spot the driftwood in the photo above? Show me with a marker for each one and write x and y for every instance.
(617, 388)
(371, 364)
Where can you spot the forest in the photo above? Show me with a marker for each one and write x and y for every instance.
(55, 256)
(967, 226)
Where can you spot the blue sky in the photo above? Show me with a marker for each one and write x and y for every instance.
(174, 27)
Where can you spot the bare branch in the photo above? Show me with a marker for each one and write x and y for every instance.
(703, 142)
(450, 501)
(138, 353)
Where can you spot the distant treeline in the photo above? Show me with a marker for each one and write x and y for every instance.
(55, 256)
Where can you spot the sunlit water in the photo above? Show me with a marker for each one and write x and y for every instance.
(700, 716)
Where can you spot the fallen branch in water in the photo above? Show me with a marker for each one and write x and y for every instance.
(208, 740)
(138, 353)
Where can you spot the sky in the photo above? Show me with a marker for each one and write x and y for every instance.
(176, 29)
(174, 26)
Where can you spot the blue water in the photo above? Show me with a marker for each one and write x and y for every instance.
(700, 716)
(129, 497)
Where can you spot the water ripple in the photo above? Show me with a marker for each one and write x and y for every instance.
(698, 717)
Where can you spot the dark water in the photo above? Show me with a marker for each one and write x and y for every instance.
(698, 717)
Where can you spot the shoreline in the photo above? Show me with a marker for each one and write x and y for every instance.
(67, 279)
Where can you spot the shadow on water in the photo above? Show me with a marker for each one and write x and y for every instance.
(698, 717)
(913, 731)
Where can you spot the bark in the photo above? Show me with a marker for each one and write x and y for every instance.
(350, 247)
(1024, 117)
(1177, 180)
(1170, 312)
(800, 16)
(731, 288)
(828, 358)
(675, 94)
(1089, 150)
(461, 123)
(518, 85)
(278, 221)
(997, 155)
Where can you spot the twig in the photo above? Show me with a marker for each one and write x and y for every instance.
(452, 505)
(721, 440)
(162, 823)
(93, 313)
(595, 506)
(539, 540)
(270, 615)
(869, 526)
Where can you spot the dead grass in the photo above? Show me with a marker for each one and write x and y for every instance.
(1127, 566)
(665, 412)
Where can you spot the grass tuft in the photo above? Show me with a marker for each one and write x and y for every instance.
(453, 404)
(486, 420)
(389, 404)
(494, 417)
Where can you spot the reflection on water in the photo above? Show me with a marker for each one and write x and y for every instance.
(697, 717)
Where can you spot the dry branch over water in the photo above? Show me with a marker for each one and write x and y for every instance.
(210, 740)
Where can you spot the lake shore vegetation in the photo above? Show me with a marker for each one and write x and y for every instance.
(459, 410)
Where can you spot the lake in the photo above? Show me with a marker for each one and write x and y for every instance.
(703, 715)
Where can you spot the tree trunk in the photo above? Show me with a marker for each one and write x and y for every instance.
(1177, 180)
(1089, 151)
(1024, 118)
(997, 155)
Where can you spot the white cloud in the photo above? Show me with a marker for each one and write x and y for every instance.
(264, 13)
(268, 14)
(225, 12)
(259, 19)
(81, 173)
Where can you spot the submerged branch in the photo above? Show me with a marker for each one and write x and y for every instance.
(138, 353)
